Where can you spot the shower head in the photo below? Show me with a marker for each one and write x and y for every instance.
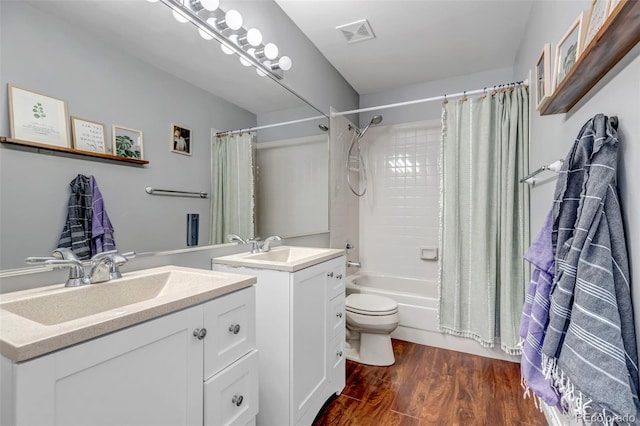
(377, 119)
(323, 127)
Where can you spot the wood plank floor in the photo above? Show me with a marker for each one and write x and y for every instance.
(432, 386)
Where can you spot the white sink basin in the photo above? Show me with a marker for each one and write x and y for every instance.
(37, 321)
(283, 258)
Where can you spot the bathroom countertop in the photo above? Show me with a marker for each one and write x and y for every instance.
(282, 258)
(64, 316)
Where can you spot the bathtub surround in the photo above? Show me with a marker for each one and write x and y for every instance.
(485, 222)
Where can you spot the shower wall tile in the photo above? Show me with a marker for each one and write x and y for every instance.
(399, 214)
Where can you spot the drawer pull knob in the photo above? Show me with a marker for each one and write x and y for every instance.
(234, 328)
(339, 353)
(200, 333)
(339, 314)
(330, 274)
(339, 276)
(237, 400)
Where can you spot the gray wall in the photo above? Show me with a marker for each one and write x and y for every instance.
(618, 93)
(42, 54)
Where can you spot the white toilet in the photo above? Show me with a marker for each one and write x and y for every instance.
(370, 321)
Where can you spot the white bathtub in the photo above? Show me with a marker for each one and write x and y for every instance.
(417, 300)
(418, 304)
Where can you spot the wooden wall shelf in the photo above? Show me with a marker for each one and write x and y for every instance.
(72, 151)
(619, 34)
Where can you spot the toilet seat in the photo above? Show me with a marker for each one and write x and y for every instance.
(370, 304)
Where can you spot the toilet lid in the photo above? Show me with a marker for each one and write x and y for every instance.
(359, 302)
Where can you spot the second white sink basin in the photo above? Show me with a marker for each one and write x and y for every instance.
(283, 258)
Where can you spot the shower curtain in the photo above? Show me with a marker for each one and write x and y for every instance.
(484, 217)
(233, 186)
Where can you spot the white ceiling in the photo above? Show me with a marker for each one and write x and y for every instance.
(416, 41)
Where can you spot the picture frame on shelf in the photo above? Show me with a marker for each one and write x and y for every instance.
(543, 77)
(568, 50)
(597, 15)
(181, 140)
(127, 142)
(39, 118)
(88, 135)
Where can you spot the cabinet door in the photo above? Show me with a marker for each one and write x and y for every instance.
(309, 340)
(230, 322)
(336, 360)
(149, 374)
(231, 396)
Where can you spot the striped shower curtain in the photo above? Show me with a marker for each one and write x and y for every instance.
(484, 217)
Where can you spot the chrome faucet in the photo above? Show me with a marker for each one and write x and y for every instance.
(104, 266)
(266, 246)
(258, 246)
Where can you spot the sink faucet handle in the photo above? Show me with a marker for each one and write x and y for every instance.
(36, 259)
(76, 270)
(64, 253)
(235, 237)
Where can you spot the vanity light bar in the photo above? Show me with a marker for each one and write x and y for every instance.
(200, 18)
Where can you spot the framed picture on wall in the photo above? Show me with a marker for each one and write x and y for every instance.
(596, 16)
(181, 141)
(39, 118)
(88, 135)
(127, 142)
(543, 77)
(568, 51)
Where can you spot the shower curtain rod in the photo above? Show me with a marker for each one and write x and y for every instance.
(435, 98)
(268, 126)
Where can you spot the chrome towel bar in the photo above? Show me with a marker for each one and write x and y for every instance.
(155, 191)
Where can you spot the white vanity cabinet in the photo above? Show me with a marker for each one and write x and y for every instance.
(300, 334)
(166, 371)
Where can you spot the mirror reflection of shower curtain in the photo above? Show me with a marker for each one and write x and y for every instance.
(233, 186)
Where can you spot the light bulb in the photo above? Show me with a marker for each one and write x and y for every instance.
(254, 37)
(152, 1)
(205, 34)
(271, 51)
(285, 63)
(262, 73)
(225, 47)
(233, 19)
(210, 5)
(180, 17)
(244, 62)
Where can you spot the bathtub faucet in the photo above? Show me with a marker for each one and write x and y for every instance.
(353, 264)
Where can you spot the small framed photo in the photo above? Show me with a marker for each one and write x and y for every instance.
(543, 77)
(39, 118)
(568, 51)
(127, 142)
(596, 16)
(89, 135)
(181, 141)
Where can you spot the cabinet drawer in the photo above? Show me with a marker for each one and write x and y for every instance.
(231, 396)
(335, 277)
(336, 317)
(230, 322)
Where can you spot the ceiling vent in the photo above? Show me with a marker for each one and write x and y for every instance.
(357, 31)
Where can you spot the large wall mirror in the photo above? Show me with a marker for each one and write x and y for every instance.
(130, 64)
